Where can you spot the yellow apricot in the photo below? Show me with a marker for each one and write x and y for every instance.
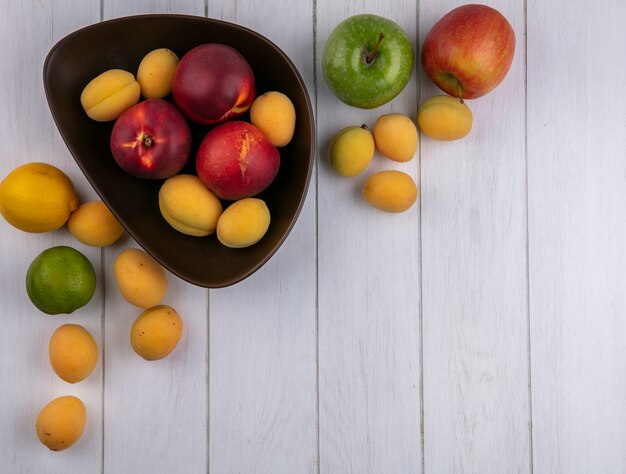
(140, 279)
(61, 422)
(243, 223)
(395, 136)
(93, 224)
(73, 352)
(188, 205)
(444, 118)
(155, 73)
(390, 191)
(351, 150)
(156, 332)
(109, 95)
(274, 114)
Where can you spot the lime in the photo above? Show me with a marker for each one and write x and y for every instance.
(60, 280)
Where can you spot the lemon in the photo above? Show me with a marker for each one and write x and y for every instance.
(60, 280)
(37, 197)
(93, 224)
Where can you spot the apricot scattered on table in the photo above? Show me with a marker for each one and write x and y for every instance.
(243, 223)
(444, 118)
(93, 224)
(274, 114)
(390, 191)
(61, 423)
(140, 279)
(188, 205)
(351, 150)
(395, 136)
(156, 72)
(156, 332)
(108, 95)
(73, 352)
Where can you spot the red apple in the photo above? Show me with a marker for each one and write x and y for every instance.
(151, 140)
(468, 52)
(213, 83)
(235, 160)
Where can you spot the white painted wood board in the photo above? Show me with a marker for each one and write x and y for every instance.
(504, 286)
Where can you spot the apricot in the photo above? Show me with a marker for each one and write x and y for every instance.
(188, 206)
(140, 279)
(156, 332)
(243, 223)
(444, 118)
(61, 422)
(390, 191)
(73, 352)
(110, 94)
(156, 72)
(274, 114)
(351, 150)
(395, 136)
(93, 224)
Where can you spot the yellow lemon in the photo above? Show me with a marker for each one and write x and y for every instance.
(93, 224)
(37, 197)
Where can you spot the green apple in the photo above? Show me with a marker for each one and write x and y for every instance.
(367, 60)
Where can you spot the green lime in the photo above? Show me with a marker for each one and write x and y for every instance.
(60, 280)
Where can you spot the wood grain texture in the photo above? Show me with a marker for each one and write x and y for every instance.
(577, 244)
(27, 134)
(263, 389)
(155, 413)
(369, 295)
(476, 401)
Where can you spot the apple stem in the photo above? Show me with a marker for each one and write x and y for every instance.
(148, 141)
(458, 86)
(372, 53)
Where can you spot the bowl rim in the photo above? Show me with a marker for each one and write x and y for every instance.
(309, 109)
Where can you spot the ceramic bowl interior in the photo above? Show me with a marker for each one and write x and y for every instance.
(122, 43)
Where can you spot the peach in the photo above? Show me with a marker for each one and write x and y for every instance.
(109, 95)
(213, 83)
(235, 160)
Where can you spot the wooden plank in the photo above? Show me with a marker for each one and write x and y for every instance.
(27, 134)
(476, 401)
(155, 412)
(263, 401)
(369, 293)
(577, 229)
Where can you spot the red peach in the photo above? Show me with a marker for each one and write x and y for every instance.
(151, 140)
(213, 83)
(235, 160)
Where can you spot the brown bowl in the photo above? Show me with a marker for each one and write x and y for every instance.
(122, 43)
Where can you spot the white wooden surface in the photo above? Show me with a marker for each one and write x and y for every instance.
(483, 331)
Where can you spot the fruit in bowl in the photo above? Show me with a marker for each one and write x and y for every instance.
(235, 160)
(151, 140)
(213, 83)
(203, 261)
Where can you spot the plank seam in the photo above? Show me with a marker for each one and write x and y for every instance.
(419, 238)
(528, 326)
(317, 273)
